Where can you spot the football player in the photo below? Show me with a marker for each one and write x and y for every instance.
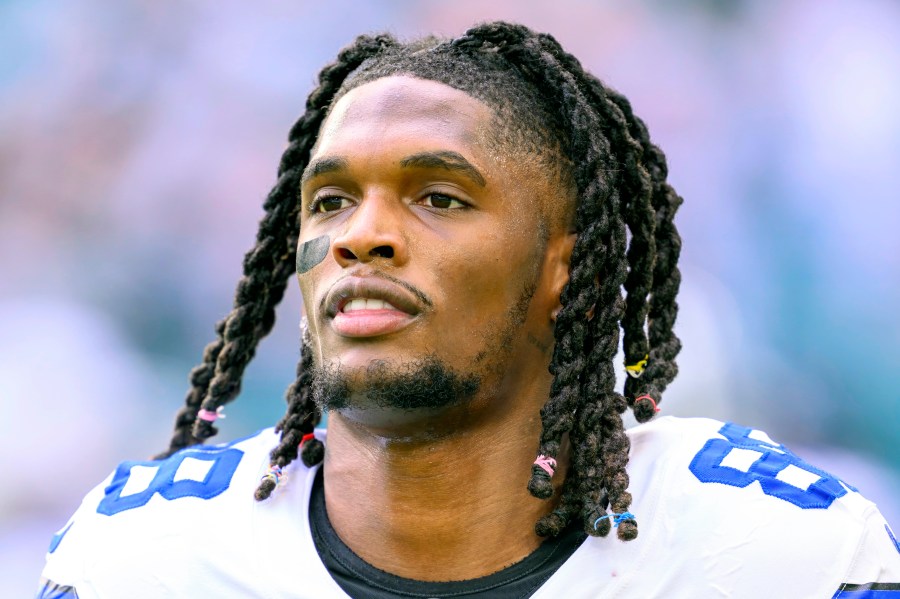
(462, 217)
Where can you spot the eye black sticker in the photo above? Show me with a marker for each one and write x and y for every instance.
(312, 252)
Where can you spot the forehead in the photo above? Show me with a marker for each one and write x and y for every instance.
(404, 110)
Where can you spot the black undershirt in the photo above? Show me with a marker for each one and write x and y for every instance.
(363, 581)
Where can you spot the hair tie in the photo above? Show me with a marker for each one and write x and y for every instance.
(617, 518)
(274, 474)
(307, 437)
(211, 416)
(648, 398)
(546, 463)
(637, 369)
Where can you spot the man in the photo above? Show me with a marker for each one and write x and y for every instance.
(456, 213)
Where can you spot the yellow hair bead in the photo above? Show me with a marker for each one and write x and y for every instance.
(637, 369)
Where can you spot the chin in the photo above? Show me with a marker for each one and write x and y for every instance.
(427, 383)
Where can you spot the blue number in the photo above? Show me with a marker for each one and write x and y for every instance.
(224, 460)
(58, 537)
(707, 466)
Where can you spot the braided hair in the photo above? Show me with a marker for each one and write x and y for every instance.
(585, 133)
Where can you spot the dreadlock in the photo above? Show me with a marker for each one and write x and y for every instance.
(585, 133)
(267, 267)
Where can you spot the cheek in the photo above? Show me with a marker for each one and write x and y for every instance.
(481, 282)
(306, 290)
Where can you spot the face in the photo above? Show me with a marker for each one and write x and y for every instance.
(435, 245)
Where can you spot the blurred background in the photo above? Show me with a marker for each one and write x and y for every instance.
(138, 139)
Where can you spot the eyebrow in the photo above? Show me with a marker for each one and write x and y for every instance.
(444, 159)
(321, 166)
(451, 161)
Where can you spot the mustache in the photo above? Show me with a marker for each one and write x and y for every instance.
(420, 295)
(414, 290)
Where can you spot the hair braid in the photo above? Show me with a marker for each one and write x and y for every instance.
(267, 268)
(600, 447)
(566, 363)
(646, 173)
(200, 377)
(302, 413)
(301, 418)
(599, 439)
(652, 258)
(600, 272)
(269, 265)
(661, 367)
(568, 508)
(580, 296)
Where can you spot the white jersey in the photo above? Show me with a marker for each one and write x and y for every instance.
(723, 511)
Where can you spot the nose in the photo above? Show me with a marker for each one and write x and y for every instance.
(374, 231)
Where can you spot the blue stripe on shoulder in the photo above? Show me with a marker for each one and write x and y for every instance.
(869, 590)
(51, 590)
(893, 538)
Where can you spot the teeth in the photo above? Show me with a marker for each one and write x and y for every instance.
(367, 304)
(355, 304)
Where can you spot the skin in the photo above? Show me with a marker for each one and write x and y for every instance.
(436, 494)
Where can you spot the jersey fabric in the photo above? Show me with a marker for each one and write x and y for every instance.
(722, 510)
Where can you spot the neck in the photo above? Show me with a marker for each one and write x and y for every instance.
(452, 506)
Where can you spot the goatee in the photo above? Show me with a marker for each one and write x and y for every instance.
(426, 383)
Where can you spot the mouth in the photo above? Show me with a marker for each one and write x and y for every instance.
(369, 306)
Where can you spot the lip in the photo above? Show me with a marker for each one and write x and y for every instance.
(370, 323)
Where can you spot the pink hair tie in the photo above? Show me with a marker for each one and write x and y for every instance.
(546, 463)
(648, 398)
(211, 416)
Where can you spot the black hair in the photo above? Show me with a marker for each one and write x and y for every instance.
(549, 106)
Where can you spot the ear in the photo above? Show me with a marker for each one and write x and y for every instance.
(559, 257)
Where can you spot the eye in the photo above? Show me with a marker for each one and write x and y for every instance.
(328, 204)
(443, 201)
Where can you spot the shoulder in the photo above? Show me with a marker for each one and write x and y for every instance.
(714, 459)
(165, 516)
(724, 508)
(726, 511)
